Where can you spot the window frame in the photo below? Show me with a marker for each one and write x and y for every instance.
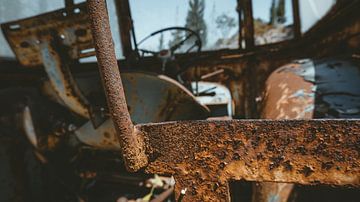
(248, 29)
(246, 32)
(128, 31)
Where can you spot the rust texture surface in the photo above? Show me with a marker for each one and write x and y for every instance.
(288, 95)
(130, 141)
(61, 78)
(71, 24)
(204, 155)
(326, 88)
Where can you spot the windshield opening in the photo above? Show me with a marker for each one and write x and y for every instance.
(216, 22)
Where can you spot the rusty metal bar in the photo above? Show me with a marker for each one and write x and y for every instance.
(125, 25)
(69, 3)
(297, 21)
(249, 24)
(204, 155)
(240, 11)
(131, 142)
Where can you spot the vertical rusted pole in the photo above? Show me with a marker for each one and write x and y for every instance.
(297, 21)
(249, 24)
(69, 3)
(241, 22)
(125, 25)
(131, 142)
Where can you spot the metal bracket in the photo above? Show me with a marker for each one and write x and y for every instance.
(62, 80)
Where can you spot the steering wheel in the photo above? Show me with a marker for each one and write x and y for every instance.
(167, 55)
(197, 43)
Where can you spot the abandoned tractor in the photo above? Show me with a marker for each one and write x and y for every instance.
(149, 100)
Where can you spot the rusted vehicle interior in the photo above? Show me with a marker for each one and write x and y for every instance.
(120, 100)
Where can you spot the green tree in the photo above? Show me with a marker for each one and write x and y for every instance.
(272, 13)
(195, 19)
(225, 23)
(280, 12)
(277, 12)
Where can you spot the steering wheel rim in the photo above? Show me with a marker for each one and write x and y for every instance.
(198, 42)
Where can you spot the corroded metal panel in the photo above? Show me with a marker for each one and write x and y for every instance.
(62, 81)
(150, 99)
(71, 24)
(306, 89)
(204, 155)
(158, 98)
(327, 88)
(288, 95)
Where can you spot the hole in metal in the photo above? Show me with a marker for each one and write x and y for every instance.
(80, 32)
(24, 44)
(77, 10)
(15, 27)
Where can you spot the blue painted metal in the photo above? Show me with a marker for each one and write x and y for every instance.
(151, 98)
(158, 98)
(306, 89)
(62, 81)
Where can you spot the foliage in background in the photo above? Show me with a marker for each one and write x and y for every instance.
(225, 23)
(195, 19)
(277, 12)
(177, 37)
